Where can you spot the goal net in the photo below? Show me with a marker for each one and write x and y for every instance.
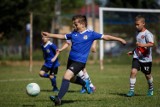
(120, 22)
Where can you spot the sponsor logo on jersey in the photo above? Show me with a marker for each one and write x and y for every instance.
(85, 37)
(142, 36)
(72, 68)
(48, 51)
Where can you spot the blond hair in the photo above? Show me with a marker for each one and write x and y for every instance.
(140, 18)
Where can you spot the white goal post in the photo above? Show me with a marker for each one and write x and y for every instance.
(102, 9)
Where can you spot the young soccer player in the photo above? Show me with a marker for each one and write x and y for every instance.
(81, 39)
(83, 73)
(142, 56)
(51, 63)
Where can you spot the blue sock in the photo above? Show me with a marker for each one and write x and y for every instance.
(64, 88)
(53, 81)
(79, 81)
(46, 75)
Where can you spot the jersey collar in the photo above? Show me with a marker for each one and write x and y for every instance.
(83, 31)
(46, 44)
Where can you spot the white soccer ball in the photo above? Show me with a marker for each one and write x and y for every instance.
(33, 89)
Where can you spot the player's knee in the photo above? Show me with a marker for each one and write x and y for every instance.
(68, 75)
(51, 76)
(41, 73)
(133, 71)
(73, 79)
(148, 76)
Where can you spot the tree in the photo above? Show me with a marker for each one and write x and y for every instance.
(15, 15)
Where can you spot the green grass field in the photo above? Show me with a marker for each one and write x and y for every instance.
(111, 86)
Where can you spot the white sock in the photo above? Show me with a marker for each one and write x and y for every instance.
(81, 75)
(150, 83)
(132, 83)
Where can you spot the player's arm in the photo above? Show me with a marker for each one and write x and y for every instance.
(145, 45)
(93, 48)
(109, 37)
(65, 45)
(56, 56)
(130, 53)
(50, 35)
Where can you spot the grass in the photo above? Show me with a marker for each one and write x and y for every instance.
(111, 86)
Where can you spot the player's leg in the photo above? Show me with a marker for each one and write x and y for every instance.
(52, 76)
(88, 78)
(44, 72)
(78, 67)
(72, 69)
(64, 87)
(132, 82)
(84, 75)
(146, 69)
(150, 84)
(93, 48)
(83, 83)
(135, 68)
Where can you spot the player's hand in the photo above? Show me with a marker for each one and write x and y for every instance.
(130, 53)
(57, 51)
(93, 49)
(45, 34)
(123, 42)
(60, 50)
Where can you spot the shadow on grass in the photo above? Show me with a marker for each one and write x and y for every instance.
(68, 101)
(46, 90)
(65, 102)
(124, 94)
(69, 91)
(28, 105)
(73, 91)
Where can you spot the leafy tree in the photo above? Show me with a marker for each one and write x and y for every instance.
(15, 15)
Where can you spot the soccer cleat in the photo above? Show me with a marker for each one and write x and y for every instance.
(83, 90)
(130, 94)
(93, 89)
(55, 89)
(56, 100)
(87, 86)
(150, 93)
(52, 98)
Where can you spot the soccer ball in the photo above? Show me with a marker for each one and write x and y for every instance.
(33, 89)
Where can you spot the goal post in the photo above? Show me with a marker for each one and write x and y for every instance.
(101, 15)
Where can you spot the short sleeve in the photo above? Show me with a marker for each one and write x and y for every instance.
(97, 35)
(68, 41)
(149, 37)
(54, 47)
(68, 36)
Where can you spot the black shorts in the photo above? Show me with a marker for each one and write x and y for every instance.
(52, 70)
(75, 66)
(144, 67)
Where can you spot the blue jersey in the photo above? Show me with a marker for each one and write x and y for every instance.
(49, 51)
(81, 44)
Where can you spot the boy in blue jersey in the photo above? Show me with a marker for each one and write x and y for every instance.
(82, 40)
(51, 63)
(83, 73)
